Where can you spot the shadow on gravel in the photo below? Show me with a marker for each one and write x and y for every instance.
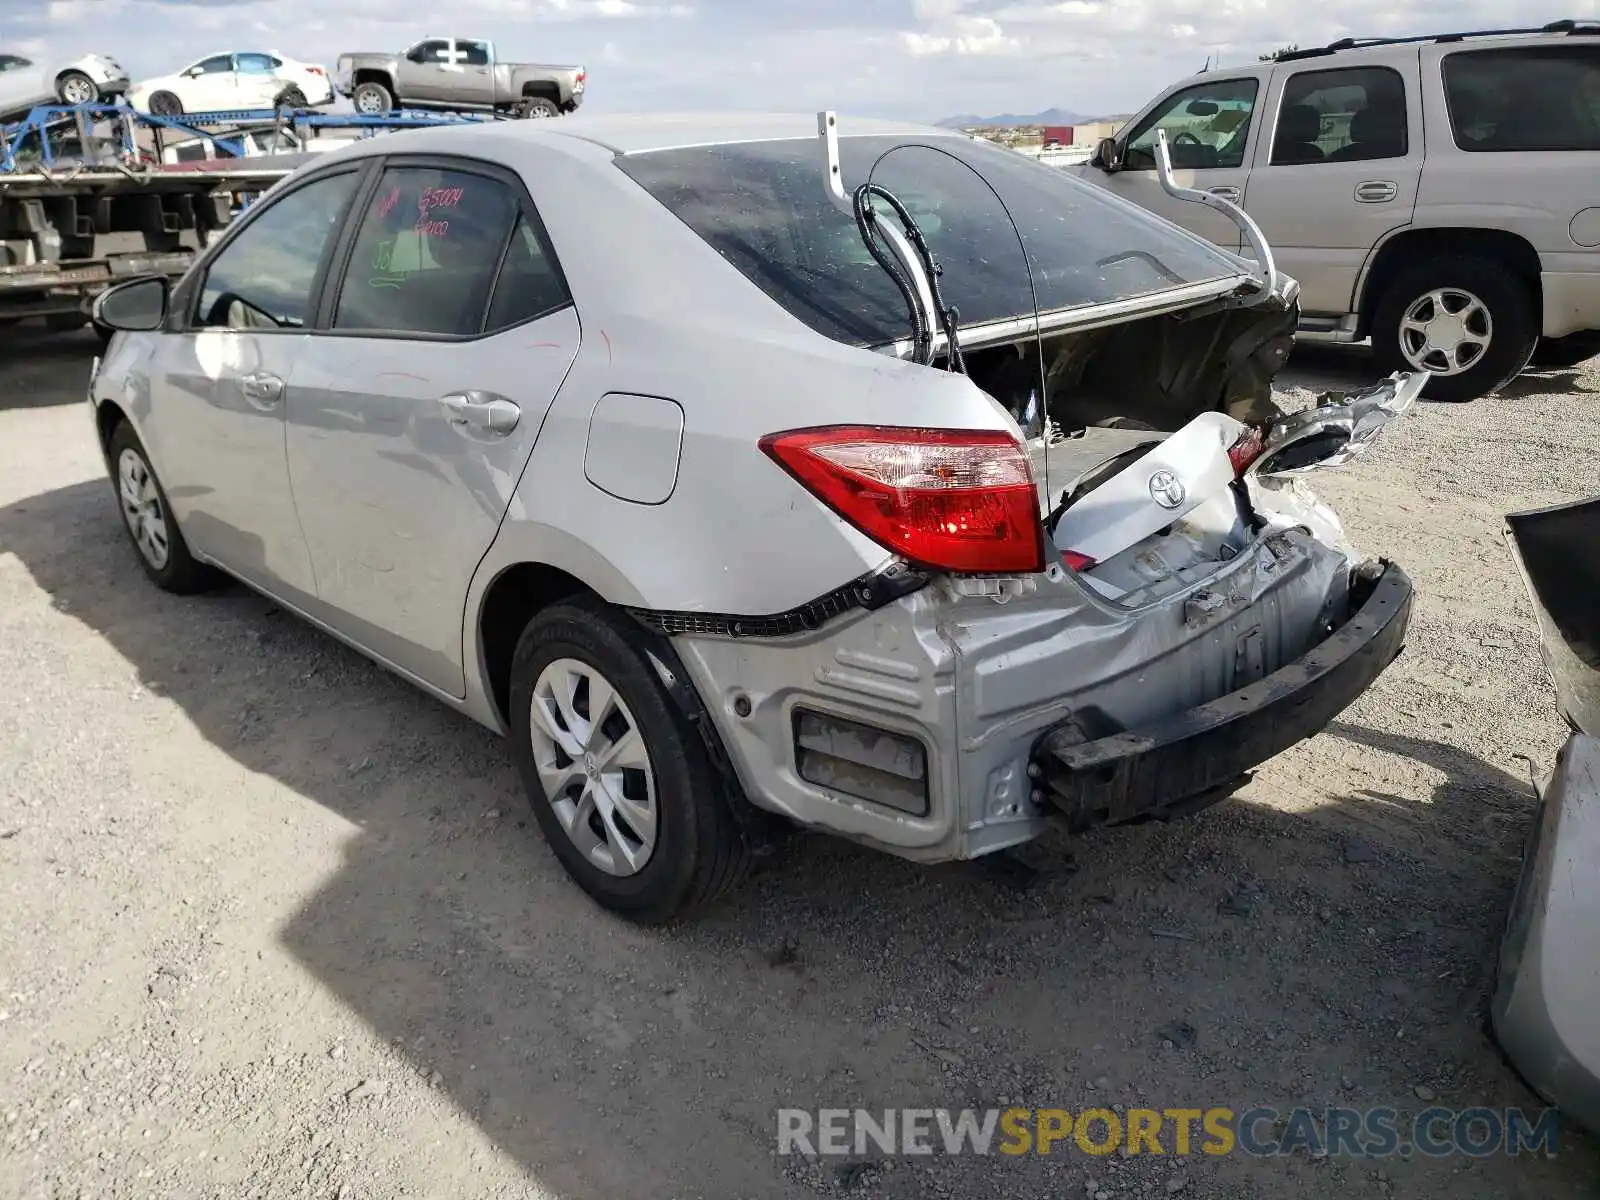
(617, 1062)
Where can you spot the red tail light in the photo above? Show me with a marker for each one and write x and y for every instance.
(1247, 449)
(1078, 562)
(950, 499)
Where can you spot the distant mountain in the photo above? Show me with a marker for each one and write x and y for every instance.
(1050, 116)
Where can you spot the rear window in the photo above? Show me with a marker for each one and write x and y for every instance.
(1527, 98)
(764, 207)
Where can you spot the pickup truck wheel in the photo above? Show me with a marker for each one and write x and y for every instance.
(372, 99)
(1469, 322)
(620, 784)
(165, 104)
(74, 87)
(163, 553)
(537, 108)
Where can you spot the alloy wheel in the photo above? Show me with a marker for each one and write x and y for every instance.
(77, 90)
(594, 766)
(1445, 331)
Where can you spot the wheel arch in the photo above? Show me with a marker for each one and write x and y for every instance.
(1412, 245)
(373, 75)
(108, 414)
(515, 586)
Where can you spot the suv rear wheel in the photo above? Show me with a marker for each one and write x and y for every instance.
(1469, 322)
(619, 782)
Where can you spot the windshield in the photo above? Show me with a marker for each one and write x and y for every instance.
(764, 207)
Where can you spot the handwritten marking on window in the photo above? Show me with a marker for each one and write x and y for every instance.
(389, 201)
(431, 200)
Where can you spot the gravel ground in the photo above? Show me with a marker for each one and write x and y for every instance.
(276, 925)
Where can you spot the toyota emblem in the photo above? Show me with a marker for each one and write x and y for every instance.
(1166, 489)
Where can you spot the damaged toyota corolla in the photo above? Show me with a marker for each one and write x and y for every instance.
(751, 473)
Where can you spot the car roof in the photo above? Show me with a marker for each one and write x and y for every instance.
(639, 133)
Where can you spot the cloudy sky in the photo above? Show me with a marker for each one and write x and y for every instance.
(919, 59)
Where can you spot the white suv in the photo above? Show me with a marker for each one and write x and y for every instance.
(1437, 194)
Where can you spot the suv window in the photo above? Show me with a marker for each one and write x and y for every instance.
(764, 208)
(1528, 98)
(1348, 115)
(474, 54)
(1207, 126)
(264, 277)
(427, 253)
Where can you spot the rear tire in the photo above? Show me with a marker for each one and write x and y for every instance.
(372, 99)
(74, 87)
(166, 104)
(1480, 312)
(696, 852)
(537, 108)
(290, 97)
(157, 540)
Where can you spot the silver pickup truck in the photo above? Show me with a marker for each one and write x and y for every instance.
(458, 74)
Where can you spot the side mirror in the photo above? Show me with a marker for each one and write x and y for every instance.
(193, 73)
(1108, 155)
(414, 54)
(138, 306)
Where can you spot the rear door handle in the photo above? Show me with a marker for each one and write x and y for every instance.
(483, 411)
(1227, 191)
(261, 389)
(1376, 191)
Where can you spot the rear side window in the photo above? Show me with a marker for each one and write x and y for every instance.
(428, 254)
(1527, 98)
(1351, 115)
(263, 278)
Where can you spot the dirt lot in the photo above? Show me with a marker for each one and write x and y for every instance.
(275, 925)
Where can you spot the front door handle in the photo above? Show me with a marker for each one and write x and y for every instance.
(1376, 191)
(1227, 191)
(483, 411)
(261, 389)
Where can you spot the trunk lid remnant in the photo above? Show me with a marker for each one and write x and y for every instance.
(1546, 1007)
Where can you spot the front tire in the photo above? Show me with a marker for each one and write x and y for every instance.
(74, 87)
(372, 99)
(619, 782)
(1469, 322)
(166, 104)
(147, 517)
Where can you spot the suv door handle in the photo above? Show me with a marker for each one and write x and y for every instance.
(480, 410)
(1227, 191)
(1375, 191)
(261, 389)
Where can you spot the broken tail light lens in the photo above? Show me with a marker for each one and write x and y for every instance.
(958, 500)
(1247, 449)
(1078, 562)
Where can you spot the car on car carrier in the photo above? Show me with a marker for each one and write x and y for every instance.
(1436, 194)
(646, 443)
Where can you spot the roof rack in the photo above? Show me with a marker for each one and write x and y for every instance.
(1570, 27)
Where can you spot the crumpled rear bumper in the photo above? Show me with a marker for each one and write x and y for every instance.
(1181, 762)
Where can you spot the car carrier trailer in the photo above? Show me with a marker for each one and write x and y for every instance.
(85, 200)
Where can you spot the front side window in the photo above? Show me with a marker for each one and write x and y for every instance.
(1207, 126)
(427, 253)
(215, 65)
(1534, 98)
(433, 52)
(10, 62)
(263, 278)
(1349, 115)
